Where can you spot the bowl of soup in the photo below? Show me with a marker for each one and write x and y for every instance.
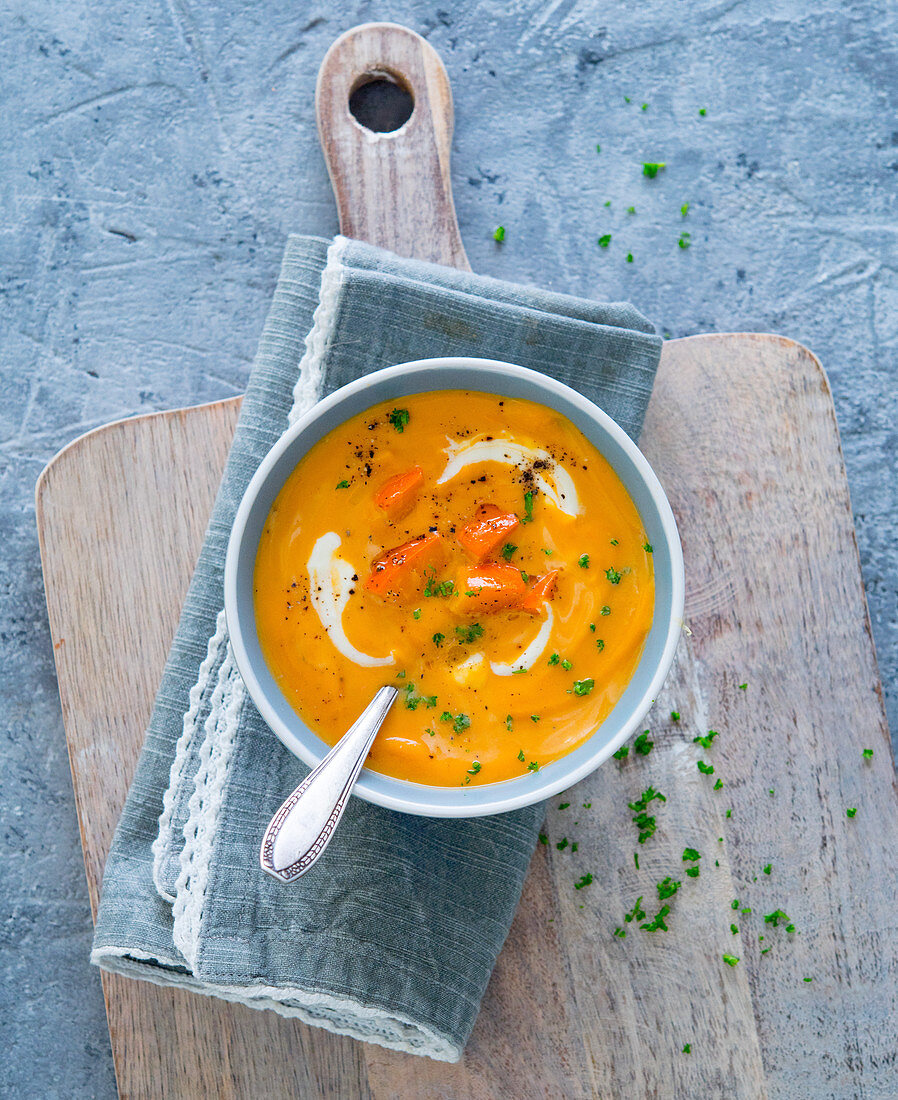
(485, 540)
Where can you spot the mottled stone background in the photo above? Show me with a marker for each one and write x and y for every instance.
(154, 156)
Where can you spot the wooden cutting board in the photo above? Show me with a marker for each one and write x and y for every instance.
(742, 433)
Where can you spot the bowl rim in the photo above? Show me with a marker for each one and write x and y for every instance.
(416, 801)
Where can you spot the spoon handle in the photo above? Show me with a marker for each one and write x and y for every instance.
(303, 826)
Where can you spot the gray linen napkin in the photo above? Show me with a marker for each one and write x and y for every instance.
(393, 936)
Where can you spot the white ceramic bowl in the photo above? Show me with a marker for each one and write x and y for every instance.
(488, 376)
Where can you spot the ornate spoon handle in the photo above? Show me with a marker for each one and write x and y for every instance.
(303, 826)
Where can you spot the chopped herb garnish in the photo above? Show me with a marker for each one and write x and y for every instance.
(583, 561)
(438, 639)
(604, 240)
(445, 716)
(684, 241)
(692, 872)
(563, 805)
(687, 1048)
(776, 917)
(636, 913)
(807, 979)
(651, 169)
(867, 753)
(528, 507)
(548, 552)
(600, 644)
(702, 111)
(631, 209)
(621, 933)
(657, 922)
(416, 614)
(520, 751)
(622, 752)
(706, 739)
(461, 723)
(533, 766)
(344, 484)
(562, 844)
(684, 209)
(499, 234)
(851, 811)
(705, 769)
(642, 745)
(400, 675)
(613, 576)
(743, 687)
(507, 550)
(729, 813)
(644, 107)
(566, 665)
(543, 839)
(399, 418)
(718, 784)
(768, 868)
(606, 610)
(647, 796)
(444, 588)
(509, 724)
(469, 633)
(730, 960)
(585, 881)
(667, 888)
(691, 854)
(636, 859)
(475, 767)
(525, 577)
(592, 627)
(554, 659)
(584, 687)
(629, 257)
(598, 147)
(534, 717)
(733, 929)
(674, 716)
(734, 904)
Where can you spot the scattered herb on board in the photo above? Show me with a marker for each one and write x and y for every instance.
(768, 868)
(562, 844)
(629, 257)
(667, 887)
(776, 917)
(702, 111)
(867, 754)
(652, 168)
(563, 805)
(684, 209)
(604, 240)
(642, 744)
(705, 769)
(687, 1048)
(851, 811)
(674, 716)
(718, 784)
(704, 739)
(730, 960)
(743, 687)
(622, 752)
(657, 922)
(631, 209)
(399, 418)
(691, 855)
(684, 241)
(585, 881)
(636, 913)
(644, 107)
(499, 234)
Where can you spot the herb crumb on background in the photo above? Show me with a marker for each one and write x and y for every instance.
(499, 235)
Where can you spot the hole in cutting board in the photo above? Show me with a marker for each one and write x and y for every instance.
(381, 101)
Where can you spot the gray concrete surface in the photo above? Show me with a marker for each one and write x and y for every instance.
(152, 159)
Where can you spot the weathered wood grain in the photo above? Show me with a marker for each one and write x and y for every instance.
(392, 189)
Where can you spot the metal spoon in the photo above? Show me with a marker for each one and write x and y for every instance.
(303, 826)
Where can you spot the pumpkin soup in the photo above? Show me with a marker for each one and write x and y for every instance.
(500, 579)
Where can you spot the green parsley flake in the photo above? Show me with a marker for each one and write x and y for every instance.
(649, 549)
(461, 723)
(631, 209)
(684, 241)
(636, 859)
(598, 148)
(608, 202)
(584, 687)
(520, 751)
(528, 507)
(657, 922)
(629, 257)
(554, 659)
(733, 929)
(562, 844)
(687, 1048)
(729, 813)
(692, 872)
(777, 916)
(438, 639)
(533, 766)
(416, 614)
(583, 561)
(566, 665)
(543, 839)
(705, 739)
(644, 107)
(768, 868)
(548, 552)
(475, 767)
(636, 913)
(702, 111)
(622, 752)
(620, 933)
(604, 240)
(674, 716)
(642, 744)
(705, 769)
(399, 418)
(592, 627)
(585, 881)
(730, 960)
(534, 717)
(563, 805)
(667, 888)
(851, 811)
(469, 633)
(718, 784)
(606, 610)
(344, 484)
(734, 904)
(499, 234)
(692, 855)
(507, 550)
(867, 754)
(743, 687)
(600, 644)
(652, 168)
(807, 979)
(509, 725)
(613, 576)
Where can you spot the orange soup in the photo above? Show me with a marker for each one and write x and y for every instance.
(498, 577)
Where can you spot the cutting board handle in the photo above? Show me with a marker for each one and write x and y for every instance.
(392, 189)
